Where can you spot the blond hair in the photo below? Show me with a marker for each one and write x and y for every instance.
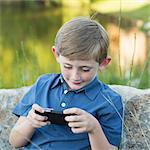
(82, 38)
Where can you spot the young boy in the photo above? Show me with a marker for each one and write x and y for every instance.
(94, 111)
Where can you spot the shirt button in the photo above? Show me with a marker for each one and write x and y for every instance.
(63, 104)
(65, 91)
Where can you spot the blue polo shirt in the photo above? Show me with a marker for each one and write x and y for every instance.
(51, 91)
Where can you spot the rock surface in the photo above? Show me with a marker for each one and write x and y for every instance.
(137, 116)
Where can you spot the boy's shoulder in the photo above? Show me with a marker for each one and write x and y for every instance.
(109, 94)
(46, 78)
(107, 90)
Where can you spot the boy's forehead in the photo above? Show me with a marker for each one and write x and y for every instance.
(82, 62)
(74, 59)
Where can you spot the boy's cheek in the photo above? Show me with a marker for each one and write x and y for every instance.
(66, 74)
(88, 77)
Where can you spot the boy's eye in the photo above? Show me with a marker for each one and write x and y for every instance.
(86, 69)
(67, 67)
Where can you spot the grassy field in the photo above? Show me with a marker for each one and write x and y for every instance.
(27, 35)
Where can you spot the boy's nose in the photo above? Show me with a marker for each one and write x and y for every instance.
(76, 75)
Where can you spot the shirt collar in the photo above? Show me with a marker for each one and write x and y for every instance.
(91, 90)
(58, 81)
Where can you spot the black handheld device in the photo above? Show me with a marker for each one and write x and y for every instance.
(55, 117)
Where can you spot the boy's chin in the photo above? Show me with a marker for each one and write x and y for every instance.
(75, 87)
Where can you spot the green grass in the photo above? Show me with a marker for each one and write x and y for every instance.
(142, 13)
(26, 40)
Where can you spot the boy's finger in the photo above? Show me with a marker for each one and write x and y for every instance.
(76, 124)
(41, 118)
(38, 108)
(76, 111)
(40, 123)
(73, 118)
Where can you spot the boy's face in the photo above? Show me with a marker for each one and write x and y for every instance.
(77, 73)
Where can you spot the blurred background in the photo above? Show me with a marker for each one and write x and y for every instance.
(28, 29)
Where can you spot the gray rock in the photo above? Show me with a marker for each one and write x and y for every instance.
(136, 125)
(137, 118)
(8, 100)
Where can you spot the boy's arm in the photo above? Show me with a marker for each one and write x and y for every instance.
(25, 127)
(98, 135)
(21, 133)
(83, 121)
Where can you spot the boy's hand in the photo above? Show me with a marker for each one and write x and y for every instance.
(36, 120)
(81, 121)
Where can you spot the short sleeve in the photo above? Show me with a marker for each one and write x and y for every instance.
(32, 96)
(111, 120)
(25, 104)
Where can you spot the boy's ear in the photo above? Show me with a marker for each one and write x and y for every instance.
(104, 63)
(55, 53)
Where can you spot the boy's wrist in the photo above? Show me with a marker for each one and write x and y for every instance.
(29, 123)
(95, 128)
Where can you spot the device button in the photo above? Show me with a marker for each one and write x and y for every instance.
(63, 104)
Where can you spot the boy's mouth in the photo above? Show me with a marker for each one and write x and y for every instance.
(77, 83)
